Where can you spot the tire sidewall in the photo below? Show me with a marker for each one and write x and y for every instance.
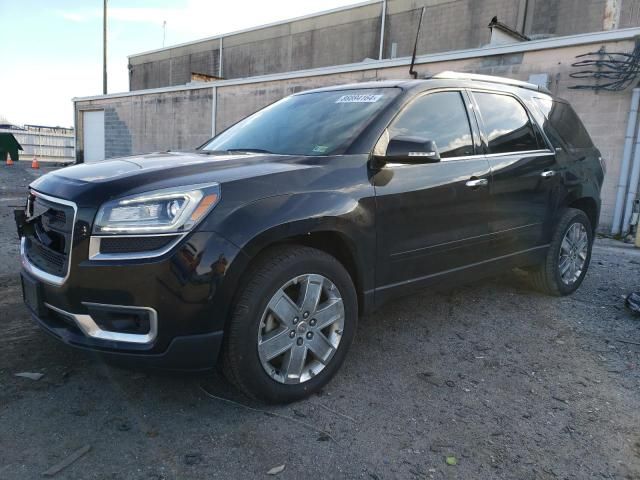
(248, 314)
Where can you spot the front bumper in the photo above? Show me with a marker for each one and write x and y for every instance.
(186, 292)
(188, 353)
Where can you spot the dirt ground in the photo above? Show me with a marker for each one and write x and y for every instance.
(508, 383)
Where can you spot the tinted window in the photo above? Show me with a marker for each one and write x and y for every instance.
(321, 123)
(441, 117)
(565, 122)
(506, 123)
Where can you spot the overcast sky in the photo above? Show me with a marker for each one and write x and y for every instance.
(51, 50)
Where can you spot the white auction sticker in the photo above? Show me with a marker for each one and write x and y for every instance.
(359, 98)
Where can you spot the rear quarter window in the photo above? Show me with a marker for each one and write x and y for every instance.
(562, 121)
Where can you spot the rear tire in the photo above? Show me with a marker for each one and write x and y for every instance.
(291, 325)
(568, 256)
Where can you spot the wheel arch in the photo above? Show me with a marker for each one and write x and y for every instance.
(325, 238)
(590, 207)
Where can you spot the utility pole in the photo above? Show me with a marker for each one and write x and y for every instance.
(104, 48)
(164, 32)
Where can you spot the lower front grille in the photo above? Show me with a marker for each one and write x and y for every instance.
(135, 244)
(46, 259)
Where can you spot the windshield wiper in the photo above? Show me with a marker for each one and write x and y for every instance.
(248, 150)
(212, 152)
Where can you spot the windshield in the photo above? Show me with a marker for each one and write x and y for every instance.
(322, 123)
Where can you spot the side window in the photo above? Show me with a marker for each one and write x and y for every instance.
(441, 117)
(506, 123)
(565, 122)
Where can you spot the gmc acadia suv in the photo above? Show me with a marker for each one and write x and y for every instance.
(264, 246)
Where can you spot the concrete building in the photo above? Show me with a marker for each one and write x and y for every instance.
(372, 30)
(49, 144)
(184, 116)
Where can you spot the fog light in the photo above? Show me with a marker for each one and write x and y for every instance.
(121, 320)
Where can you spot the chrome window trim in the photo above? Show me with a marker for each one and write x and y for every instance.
(489, 155)
(524, 152)
(474, 157)
(91, 329)
(31, 268)
(95, 240)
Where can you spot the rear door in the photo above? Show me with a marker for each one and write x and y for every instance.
(524, 173)
(578, 159)
(432, 218)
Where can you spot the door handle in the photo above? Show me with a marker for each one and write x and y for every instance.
(477, 182)
(548, 173)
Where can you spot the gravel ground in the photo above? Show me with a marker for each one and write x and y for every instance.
(511, 383)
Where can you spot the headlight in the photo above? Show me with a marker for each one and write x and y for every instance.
(172, 210)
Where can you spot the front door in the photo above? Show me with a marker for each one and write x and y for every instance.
(432, 218)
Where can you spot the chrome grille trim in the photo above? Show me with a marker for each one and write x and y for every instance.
(90, 328)
(31, 268)
(95, 254)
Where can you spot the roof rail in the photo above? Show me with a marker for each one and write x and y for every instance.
(450, 75)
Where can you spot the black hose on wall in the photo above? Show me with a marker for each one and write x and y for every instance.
(613, 71)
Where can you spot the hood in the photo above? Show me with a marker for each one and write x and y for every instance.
(87, 183)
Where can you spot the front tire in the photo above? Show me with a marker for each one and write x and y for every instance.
(568, 257)
(291, 325)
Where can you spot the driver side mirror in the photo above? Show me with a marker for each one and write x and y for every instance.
(411, 150)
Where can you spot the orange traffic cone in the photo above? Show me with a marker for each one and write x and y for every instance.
(9, 159)
(34, 163)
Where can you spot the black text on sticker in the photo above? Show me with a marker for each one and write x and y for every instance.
(359, 98)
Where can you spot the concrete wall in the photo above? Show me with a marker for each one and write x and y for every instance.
(175, 70)
(147, 123)
(323, 40)
(144, 118)
(447, 25)
(629, 13)
(351, 35)
(567, 17)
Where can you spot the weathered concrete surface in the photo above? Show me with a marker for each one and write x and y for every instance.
(514, 384)
(630, 13)
(353, 34)
(147, 123)
(330, 39)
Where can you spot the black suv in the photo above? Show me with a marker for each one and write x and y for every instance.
(264, 246)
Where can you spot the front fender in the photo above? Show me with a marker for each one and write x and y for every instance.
(257, 225)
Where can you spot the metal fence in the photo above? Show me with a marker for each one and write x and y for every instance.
(46, 143)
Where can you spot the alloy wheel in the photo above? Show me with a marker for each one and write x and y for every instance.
(573, 253)
(300, 329)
